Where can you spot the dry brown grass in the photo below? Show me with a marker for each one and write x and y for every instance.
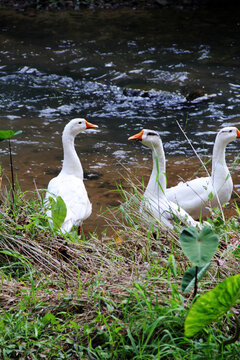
(71, 274)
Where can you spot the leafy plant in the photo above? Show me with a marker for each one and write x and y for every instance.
(189, 277)
(7, 135)
(199, 247)
(59, 211)
(212, 305)
(111, 296)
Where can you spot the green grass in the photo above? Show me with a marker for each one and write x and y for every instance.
(115, 295)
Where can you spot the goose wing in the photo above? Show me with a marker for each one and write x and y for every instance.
(193, 196)
(73, 192)
(167, 211)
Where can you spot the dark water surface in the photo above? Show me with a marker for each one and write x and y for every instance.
(57, 66)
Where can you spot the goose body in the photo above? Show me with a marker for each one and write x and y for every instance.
(198, 195)
(155, 200)
(69, 182)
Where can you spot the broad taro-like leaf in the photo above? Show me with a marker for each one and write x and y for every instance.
(210, 306)
(199, 247)
(188, 280)
(59, 211)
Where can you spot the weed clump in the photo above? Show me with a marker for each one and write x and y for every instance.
(104, 296)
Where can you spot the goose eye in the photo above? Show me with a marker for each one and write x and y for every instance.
(230, 130)
(152, 134)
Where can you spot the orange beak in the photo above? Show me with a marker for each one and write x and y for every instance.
(238, 133)
(137, 136)
(90, 125)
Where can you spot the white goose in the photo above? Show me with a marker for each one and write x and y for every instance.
(198, 195)
(69, 182)
(155, 198)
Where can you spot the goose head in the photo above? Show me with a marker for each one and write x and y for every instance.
(78, 125)
(149, 138)
(228, 134)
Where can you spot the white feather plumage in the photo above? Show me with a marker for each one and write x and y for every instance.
(198, 195)
(155, 200)
(69, 183)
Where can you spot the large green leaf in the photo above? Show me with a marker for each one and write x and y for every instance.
(199, 247)
(188, 280)
(210, 306)
(8, 134)
(59, 211)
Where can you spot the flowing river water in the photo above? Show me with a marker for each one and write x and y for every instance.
(123, 70)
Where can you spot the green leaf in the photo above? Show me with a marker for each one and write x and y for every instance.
(18, 132)
(49, 318)
(20, 257)
(172, 265)
(199, 247)
(59, 211)
(210, 196)
(188, 280)
(210, 306)
(6, 134)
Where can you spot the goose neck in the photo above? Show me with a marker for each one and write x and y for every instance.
(219, 153)
(71, 162)
(218, 158)
(157, 181)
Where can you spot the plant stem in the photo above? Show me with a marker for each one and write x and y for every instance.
(195, 285)
(12, 174)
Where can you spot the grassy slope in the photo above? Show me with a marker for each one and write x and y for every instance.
(104, 297)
